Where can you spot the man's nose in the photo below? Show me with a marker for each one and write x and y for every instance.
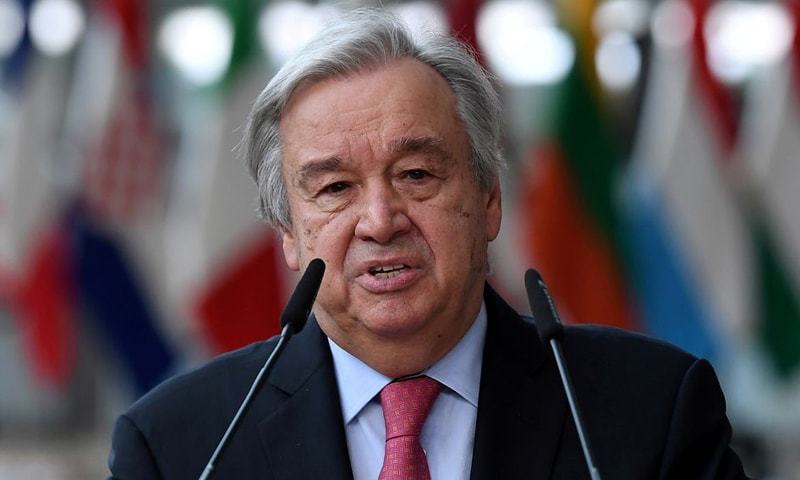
(383, 215)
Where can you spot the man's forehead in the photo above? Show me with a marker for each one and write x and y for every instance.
(420, 82)
(405, 106)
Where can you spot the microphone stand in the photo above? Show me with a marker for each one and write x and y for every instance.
(293, 320)
(573, 406)
(551, 331)
(286, 334)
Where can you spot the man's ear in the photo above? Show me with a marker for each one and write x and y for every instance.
(290, 251)
(494, 211)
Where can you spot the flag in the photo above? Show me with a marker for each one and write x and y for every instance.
(236, 293)
(114, 298)
(238, 305)
(571, 227)
(119, 176)
(44, 301)
(769, 146)
(687, 237)
(34, 246)
(462, 16)
(666, 295)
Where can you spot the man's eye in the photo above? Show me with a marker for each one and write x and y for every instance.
(416, 174)
(335, 187)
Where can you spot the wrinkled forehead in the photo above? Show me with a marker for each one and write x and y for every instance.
(403, 97)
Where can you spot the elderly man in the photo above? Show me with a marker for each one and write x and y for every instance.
(380, 155)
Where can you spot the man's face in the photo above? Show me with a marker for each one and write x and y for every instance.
(377, 169)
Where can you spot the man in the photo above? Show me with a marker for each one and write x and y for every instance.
(381, 156)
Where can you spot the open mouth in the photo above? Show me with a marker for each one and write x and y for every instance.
(387, 271)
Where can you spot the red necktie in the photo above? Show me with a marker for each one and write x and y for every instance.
(405, 407)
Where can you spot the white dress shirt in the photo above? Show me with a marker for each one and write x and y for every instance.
(448, 434)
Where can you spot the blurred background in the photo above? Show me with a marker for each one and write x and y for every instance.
(653, 160)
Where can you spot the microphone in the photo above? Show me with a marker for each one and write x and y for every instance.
(545, 316)
(299, 307)
(293, 319)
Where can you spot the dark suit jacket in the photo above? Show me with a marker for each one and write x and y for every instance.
(651, 410)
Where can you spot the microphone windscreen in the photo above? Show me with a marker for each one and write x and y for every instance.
(299, 306)
(543, 309)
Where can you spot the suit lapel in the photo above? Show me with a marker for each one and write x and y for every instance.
(522, 408)
(304, 437)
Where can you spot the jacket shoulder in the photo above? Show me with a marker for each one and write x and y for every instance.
(611, 342)
(608, 357)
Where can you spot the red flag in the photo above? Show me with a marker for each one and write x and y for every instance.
(242, 303)
(568, 248)
(43, 301)
(241, 294)
(462, 15)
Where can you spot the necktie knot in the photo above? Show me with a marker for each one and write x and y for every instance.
(406, 404)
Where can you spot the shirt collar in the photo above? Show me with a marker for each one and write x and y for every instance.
(459, 370)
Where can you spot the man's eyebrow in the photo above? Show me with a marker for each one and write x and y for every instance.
(417, 144)
(317, 167)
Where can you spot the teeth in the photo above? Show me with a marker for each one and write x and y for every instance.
(387, 271)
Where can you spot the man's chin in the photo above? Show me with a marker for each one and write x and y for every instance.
(394, 326)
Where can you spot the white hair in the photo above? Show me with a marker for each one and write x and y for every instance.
(360, 40)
